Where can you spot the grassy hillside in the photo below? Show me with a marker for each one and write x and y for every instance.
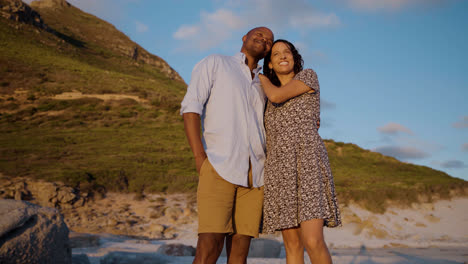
(117, 143)
(373, 179)
(140, 141)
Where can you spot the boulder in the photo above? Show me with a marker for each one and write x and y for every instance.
(176, 250)
(32, 234)
(118, 257)
(44, 192)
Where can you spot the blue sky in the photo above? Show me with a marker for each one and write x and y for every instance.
(393, 73)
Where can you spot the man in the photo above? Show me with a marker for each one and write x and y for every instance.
(225, 95)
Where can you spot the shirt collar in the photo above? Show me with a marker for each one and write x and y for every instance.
(241, 57)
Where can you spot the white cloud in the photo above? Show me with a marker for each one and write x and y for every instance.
(140, 27)
(314, 21)
(394, 128)
(390, 5)
(186, 32)
(213, 29)
(239, 16)
(461, 124)
(403, 153)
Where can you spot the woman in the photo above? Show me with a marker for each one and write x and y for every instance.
(299, 190)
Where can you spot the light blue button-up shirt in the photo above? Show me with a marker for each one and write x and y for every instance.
(231, 107)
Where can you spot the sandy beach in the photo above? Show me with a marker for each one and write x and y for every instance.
(425, 233)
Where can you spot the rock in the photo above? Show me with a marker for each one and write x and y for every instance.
(80, 259)
(264, 248)
(157, 211)
(32, 234)
(66, 194)
(55, 4)
(118, 257)
(156, 231)
(79, 240)
(170, 233)
(20, 12)
(154, 227)
(190, 212)
(48, 194)
(173, 213)
(112, 222)
(176, 250)
(44, 192)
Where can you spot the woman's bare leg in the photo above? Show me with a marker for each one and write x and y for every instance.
(314, 242)
(293, 245)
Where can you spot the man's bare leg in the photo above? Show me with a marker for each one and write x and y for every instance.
(237, 248)
(209, 247)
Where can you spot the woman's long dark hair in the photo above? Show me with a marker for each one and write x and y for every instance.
(298, 62)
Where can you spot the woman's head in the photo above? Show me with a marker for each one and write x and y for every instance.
(282, 59)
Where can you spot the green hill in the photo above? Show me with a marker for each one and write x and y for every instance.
(81, 103)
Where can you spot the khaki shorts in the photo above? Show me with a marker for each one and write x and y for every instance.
(224, 207)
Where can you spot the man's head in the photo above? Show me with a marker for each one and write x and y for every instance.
(257, 42)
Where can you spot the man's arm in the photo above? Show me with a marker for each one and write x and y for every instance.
(192, 131)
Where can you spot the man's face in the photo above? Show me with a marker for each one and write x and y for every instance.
(258, 42)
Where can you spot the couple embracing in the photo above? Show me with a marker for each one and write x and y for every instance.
(259, 157)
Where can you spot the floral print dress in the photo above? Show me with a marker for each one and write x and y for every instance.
(298, 180)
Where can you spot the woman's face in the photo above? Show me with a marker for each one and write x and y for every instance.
(281, 61)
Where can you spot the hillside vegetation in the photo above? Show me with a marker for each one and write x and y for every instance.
(130, 138)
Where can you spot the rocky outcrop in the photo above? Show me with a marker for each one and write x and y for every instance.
(55, 4)
(32, 234)
(20, 12)
(108, 37)
(154, 217)
(49, 194)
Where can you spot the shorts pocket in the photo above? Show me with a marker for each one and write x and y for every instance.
(203, 165)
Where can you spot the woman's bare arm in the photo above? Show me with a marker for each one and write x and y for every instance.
(281, 94)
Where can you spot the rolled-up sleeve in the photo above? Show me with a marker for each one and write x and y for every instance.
(199, 88)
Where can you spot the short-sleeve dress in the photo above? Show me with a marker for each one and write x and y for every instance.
(298, 180)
